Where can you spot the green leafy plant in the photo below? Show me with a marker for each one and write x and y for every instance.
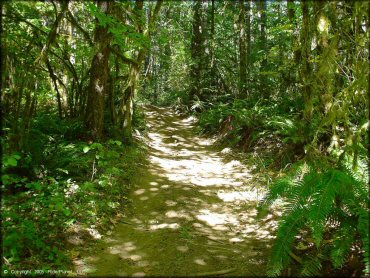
(329, 209)
(237, 122)
(65, 192)
(11, 160)
(288, 129)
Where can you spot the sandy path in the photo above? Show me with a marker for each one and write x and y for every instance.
(193, 212)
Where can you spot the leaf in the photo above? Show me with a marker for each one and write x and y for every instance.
(35, 185)
(70, 222)
(96, 146)
(5, 179)
(16, 156)
(67, 212)
(62, 170)
(115, 142)
(86, 149)
(11, 162)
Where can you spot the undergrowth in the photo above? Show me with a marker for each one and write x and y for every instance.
(325, 219)
(244, 123)
(57, 183)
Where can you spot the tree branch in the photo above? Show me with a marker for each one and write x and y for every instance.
(78, 26)
(52, 33)
(122, 57)
(154, 16)
(17, 16)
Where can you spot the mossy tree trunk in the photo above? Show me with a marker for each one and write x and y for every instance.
(94, 117)
(197, 49)
(305, 70)
(242, 51)
(135, 68)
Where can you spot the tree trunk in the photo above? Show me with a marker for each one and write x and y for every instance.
(166, 60)
(305, 71)
(110, 88)
(291, 11)
(291, 78)
(196, 51)
(53, 78)
(326, 67)
(261, 6)
(94, 117)
(134, 72)
(242, 52)
(129, 102)
(248, 30)
(263, 26)
(212, 44)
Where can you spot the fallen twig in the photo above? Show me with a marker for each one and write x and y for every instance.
(207, 236)
(214, 273)
(215, 246)
(124, 222)
(93, 171)
(6, 262)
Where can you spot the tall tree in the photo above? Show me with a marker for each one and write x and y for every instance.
(197, 49)
(213, 44)
(242, 51)
(294, 42)
(262, 9)
(135, 68)
(248, 31)
(94, 118)
(305, 71)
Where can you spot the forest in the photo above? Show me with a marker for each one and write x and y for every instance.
(185, 138)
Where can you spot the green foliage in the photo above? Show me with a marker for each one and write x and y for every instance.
(288, 129)
(34, 219)
(11, 161)
(138, 119)
(118, 29)
(76, 183)
(243, 116)
(330, 206)
(250, 121)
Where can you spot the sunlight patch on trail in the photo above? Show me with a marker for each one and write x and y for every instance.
(193, 209)
(213, 218)
(206, 171)
(164, 225)
(239, 195)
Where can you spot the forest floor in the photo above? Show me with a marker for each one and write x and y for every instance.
(193, 212)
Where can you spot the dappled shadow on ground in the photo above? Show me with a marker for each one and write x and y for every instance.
(194, 212)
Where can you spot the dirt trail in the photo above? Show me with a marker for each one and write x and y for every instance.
(193, 212)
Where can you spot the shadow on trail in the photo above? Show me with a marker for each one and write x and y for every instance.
(193, 212)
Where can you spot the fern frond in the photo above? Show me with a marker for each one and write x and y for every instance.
(300, 194)
(363, 229)
(278, 189)
(288, 229)
(342, 245)
(333, 201)
(311, 267)
(323, 203)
